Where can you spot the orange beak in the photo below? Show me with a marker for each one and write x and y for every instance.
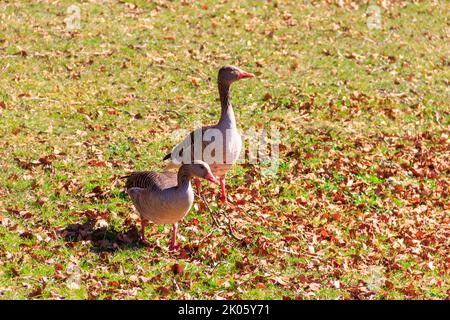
(211, 178)
(244, 75)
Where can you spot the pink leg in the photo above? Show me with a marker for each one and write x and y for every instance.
(143, 225)
(223, 196)
(197, 185)
(173, 246)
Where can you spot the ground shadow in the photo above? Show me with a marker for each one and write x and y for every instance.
(107, 240)
(104, 239)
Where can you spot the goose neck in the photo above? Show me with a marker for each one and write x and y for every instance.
(227, 113)
(183, 179)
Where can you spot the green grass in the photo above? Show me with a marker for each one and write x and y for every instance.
(363, 178)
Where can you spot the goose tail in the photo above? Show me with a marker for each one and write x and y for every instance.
(167, 156)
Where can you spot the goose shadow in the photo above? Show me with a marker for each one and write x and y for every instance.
(103, 239)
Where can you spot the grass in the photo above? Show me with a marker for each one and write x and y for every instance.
(358, 208)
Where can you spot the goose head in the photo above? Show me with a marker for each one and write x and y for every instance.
(230, 74)
(199, 169)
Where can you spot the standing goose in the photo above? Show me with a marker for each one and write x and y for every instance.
(165, 197)
(230, 142)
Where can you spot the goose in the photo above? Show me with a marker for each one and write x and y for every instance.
(165, 197)
(230, 143)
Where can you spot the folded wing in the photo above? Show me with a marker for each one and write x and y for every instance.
(151, 180)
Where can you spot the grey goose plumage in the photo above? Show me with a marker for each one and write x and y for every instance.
(165, 197)
(231, 140)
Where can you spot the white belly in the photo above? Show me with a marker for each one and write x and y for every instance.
(233, 146)
(226, 154)
(220, 147)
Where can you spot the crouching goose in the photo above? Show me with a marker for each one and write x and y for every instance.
(165, 197)
(230, 143)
